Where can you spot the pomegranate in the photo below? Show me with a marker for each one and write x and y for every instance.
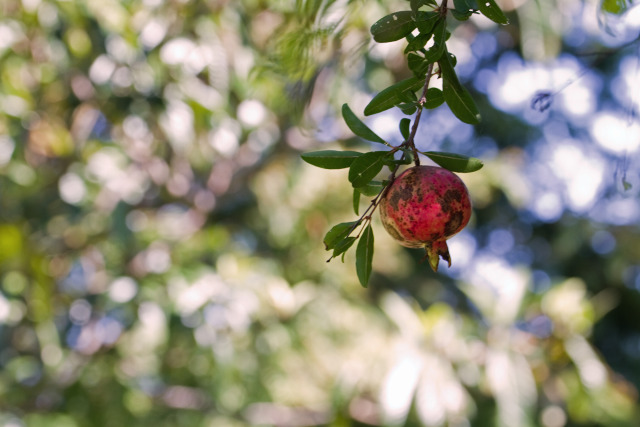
(423, 207)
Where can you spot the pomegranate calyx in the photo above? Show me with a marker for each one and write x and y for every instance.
(434, 250)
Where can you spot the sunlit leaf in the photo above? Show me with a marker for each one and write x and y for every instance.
(366, 167)
(491, 10)
(364, 256)
(337, 233)
(454, 162)
(331, 159)
(394, 26)
(359, 128)
(391, 96)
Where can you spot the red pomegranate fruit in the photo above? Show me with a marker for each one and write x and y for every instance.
(423, 207)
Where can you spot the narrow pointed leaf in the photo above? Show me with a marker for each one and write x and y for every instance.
(456, 96)
(338, 233)
(491, 10)
(404, 128)
(343, 246)
(455, 162)
(356, 201)
(364, 256)
(366, 167)
(394, 26)
(331, 159)
(358, 127)
(391, 96)
(461, 103)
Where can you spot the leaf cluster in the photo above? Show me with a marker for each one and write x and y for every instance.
(424, 26)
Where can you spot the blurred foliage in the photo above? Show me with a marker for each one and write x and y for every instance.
(161, 257)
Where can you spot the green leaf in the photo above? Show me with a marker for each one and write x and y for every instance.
(405, 124)
(338, 233)
(394, 26)
(463, 6)
(343, 246)
(366, 167)
(435, 98)
(371, 189)
(454, 162)
(418, 65)
(455, 95)
(434, 53)
(364, 256)
(463, 9)
(409, 109)
(359, 128)
(461, 16)
(417, 4)
(425, 21)
(461, 103)
(408, 156)
(331, 159)
(408, 96)
(416, 43)
(617, 7)
(391, 96)
(356, 201)
(491, 10)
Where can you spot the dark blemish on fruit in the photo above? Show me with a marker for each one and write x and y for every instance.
(454, 223)
(448, 198)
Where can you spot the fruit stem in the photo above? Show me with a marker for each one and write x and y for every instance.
(410, 142)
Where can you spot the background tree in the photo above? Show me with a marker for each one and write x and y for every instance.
(161, 256)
